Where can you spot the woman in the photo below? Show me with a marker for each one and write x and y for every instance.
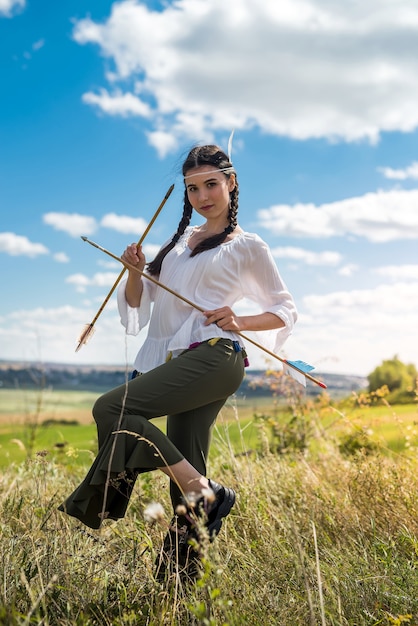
(190, 362)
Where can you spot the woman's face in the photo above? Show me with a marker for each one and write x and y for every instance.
(208, 191)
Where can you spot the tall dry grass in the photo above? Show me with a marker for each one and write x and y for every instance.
(315, 538)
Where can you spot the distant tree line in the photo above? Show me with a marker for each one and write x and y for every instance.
(39, 378)
(400, 379)
(255, 384)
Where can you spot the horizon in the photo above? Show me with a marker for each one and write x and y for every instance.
(123, 367)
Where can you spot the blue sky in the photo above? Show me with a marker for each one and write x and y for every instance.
(100, 101)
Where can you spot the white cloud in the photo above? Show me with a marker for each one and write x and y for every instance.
(348, 270)
(109, 265)
(50, 335)
(399, 272)
(17, 245)
(123, 104)
(354, 331)
(8, 7)
(73, 224)
(150, 250)
(37, 45)
(61, 257)
(124, 224)
(344, 332)
(383, 299)
(163, 141)
(308, 257)
(299, 68)
(100, 279)
(103, 279)
(379, 217)
(81, 281)
(400, 174)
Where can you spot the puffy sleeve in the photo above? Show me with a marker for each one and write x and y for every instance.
(135, 318)
(261, 283)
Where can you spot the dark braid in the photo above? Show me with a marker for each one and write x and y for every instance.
(198, 156)
(154, 267)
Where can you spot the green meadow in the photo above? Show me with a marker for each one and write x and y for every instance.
(60, 423)
(324, 530)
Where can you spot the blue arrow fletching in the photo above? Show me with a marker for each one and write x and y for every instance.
(301, 365)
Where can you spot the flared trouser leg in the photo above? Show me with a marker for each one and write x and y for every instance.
(191, 432)
(190, 389)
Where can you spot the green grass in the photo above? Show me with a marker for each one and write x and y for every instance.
(59, 440)
(22, 401)
(314, 539)
(318, 535)
(36, 421)
(44, 419)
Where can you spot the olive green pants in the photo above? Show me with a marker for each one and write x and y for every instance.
(190, 390)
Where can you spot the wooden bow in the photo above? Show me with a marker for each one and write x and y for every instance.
(89, 328)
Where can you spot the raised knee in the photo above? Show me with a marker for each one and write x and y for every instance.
(97, 409)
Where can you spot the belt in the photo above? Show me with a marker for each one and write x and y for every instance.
(235, 344)
(212, 342)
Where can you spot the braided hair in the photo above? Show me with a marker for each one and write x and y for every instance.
(198, 156)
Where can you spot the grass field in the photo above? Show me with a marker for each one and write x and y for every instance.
(60, 423)
(321, 535)
(19, 405)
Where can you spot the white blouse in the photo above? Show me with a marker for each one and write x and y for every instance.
(240, 268)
